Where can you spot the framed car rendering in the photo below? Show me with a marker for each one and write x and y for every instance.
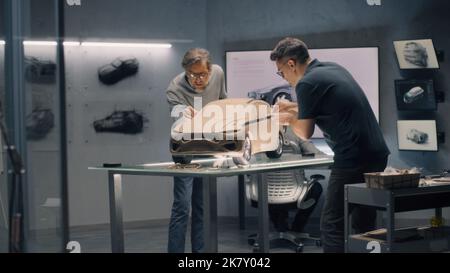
(415, 95)
(417, 135)
(416, 54)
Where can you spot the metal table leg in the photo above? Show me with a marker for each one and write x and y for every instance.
(115, 212)
(210, 214)
(241, 189)
(346, 220)
(390, 222)
(438, 213)
(263, 215)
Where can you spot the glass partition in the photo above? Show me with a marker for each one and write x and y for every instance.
(3, 178)
(32, 90)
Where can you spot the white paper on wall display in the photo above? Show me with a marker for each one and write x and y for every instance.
(417, 135)
(253, 70)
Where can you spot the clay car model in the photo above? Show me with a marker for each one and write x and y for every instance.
(414, 94)
(238, 137)
(272, 94)
(417, 136)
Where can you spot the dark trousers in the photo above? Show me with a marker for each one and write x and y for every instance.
(187, 193)
(332, 220)
(279, 214)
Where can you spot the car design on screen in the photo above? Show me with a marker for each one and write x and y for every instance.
(414, 94)
(417, 136)
(238, 137)
(272, 94)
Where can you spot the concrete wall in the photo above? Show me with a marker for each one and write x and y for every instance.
(183, 23)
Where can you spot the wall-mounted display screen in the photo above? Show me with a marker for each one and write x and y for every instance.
(252, 72)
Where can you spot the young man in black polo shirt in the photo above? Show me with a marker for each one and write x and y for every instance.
(328, 96)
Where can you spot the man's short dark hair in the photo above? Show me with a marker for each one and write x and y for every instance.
(291, 48)
(195, 55)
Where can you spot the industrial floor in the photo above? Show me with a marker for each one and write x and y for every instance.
(151, 237)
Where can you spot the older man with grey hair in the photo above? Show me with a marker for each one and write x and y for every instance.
(200, 80)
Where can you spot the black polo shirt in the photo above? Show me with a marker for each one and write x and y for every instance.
(329, 94)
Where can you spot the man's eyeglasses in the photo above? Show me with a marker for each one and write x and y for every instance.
(279, 72)
(200, 76)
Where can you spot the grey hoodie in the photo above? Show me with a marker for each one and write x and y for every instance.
(180, 93)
